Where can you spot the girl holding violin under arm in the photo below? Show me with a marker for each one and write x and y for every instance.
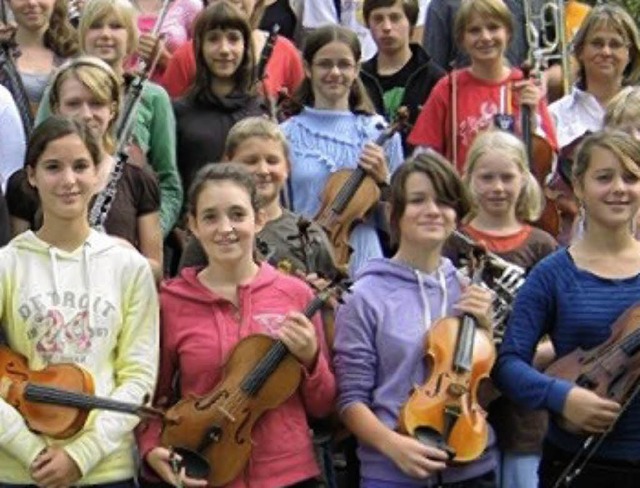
(488, 93)
(574, 296)
(333, 129)
(382, 327)
(207, 311)
(70, 294)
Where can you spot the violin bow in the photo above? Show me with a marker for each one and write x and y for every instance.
(590, 447)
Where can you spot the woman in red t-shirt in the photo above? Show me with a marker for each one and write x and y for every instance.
(488, 93)
(283, 71)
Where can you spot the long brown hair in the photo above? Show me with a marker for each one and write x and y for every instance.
(359, 101)
(222, 15)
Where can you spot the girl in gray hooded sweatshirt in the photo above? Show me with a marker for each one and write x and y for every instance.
(382, 327)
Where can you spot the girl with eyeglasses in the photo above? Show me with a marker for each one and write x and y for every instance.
(333, 128)
(607, 51)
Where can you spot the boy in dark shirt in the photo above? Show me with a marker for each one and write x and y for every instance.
(401, 73)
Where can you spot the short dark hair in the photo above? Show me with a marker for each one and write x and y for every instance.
(449, 188)
(410, 7)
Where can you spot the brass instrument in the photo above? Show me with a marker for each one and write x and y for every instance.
(508, 280)
(542, 46)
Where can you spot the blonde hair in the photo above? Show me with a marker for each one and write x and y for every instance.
(529, 203)
(623, 109)
(617, 19)
(254, 127)
(96, 10)
(100, 79)
(493, 9)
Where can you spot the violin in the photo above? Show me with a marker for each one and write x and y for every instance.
(611, 369)
(541, 157)
(444, 412)
(259, 375)
(349, 195)
(56, 400)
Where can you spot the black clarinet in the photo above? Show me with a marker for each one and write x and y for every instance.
(102, 204)
(10, 77)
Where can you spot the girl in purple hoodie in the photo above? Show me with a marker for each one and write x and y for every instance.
(381, 329)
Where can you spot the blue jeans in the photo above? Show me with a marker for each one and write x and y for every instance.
(518, 470)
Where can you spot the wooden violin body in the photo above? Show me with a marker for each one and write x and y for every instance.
(348, 196)
(446, 407)
(444, 412)
(55, 421)
(611, 369)
(218, 425)
(541, 165)
(259, 375)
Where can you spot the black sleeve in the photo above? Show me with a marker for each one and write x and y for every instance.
(22, 199)
(5, 229)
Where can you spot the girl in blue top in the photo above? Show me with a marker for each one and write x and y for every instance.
(575, 295)
(333, 129)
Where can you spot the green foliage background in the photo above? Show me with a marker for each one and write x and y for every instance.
(633, 6)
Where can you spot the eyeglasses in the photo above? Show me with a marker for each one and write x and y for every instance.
(328, 64)
(613, 44)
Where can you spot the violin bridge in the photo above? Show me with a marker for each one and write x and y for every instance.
(5, 386)
(226, 413)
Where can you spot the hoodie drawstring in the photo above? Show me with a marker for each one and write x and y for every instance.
(54, 271)
(428, 319)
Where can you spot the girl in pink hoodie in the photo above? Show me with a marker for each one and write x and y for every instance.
(207, 311)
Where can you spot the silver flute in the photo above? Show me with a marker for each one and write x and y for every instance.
(505, 287)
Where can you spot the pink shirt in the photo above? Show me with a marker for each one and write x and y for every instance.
(200, 329)
(284, 69)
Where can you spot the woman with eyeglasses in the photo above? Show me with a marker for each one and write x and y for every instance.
(607, 50)
(333, 129)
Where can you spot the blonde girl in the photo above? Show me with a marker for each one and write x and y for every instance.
(505, 197)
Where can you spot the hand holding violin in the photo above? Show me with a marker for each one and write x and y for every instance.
(530, 95)
(414, 458)
(299, 335)
(159, 458)
(374, 162)
(54, 468)
(478, 302)
(588, 412)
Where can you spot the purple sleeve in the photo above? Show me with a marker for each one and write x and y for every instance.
(355, 354)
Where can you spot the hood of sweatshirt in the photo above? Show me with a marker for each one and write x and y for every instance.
(56, 288)
(188, 287)
(437, 291)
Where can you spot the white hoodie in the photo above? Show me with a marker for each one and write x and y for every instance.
(97, 307)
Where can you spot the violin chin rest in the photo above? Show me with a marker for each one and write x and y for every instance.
(194, 464)
(433, 438)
